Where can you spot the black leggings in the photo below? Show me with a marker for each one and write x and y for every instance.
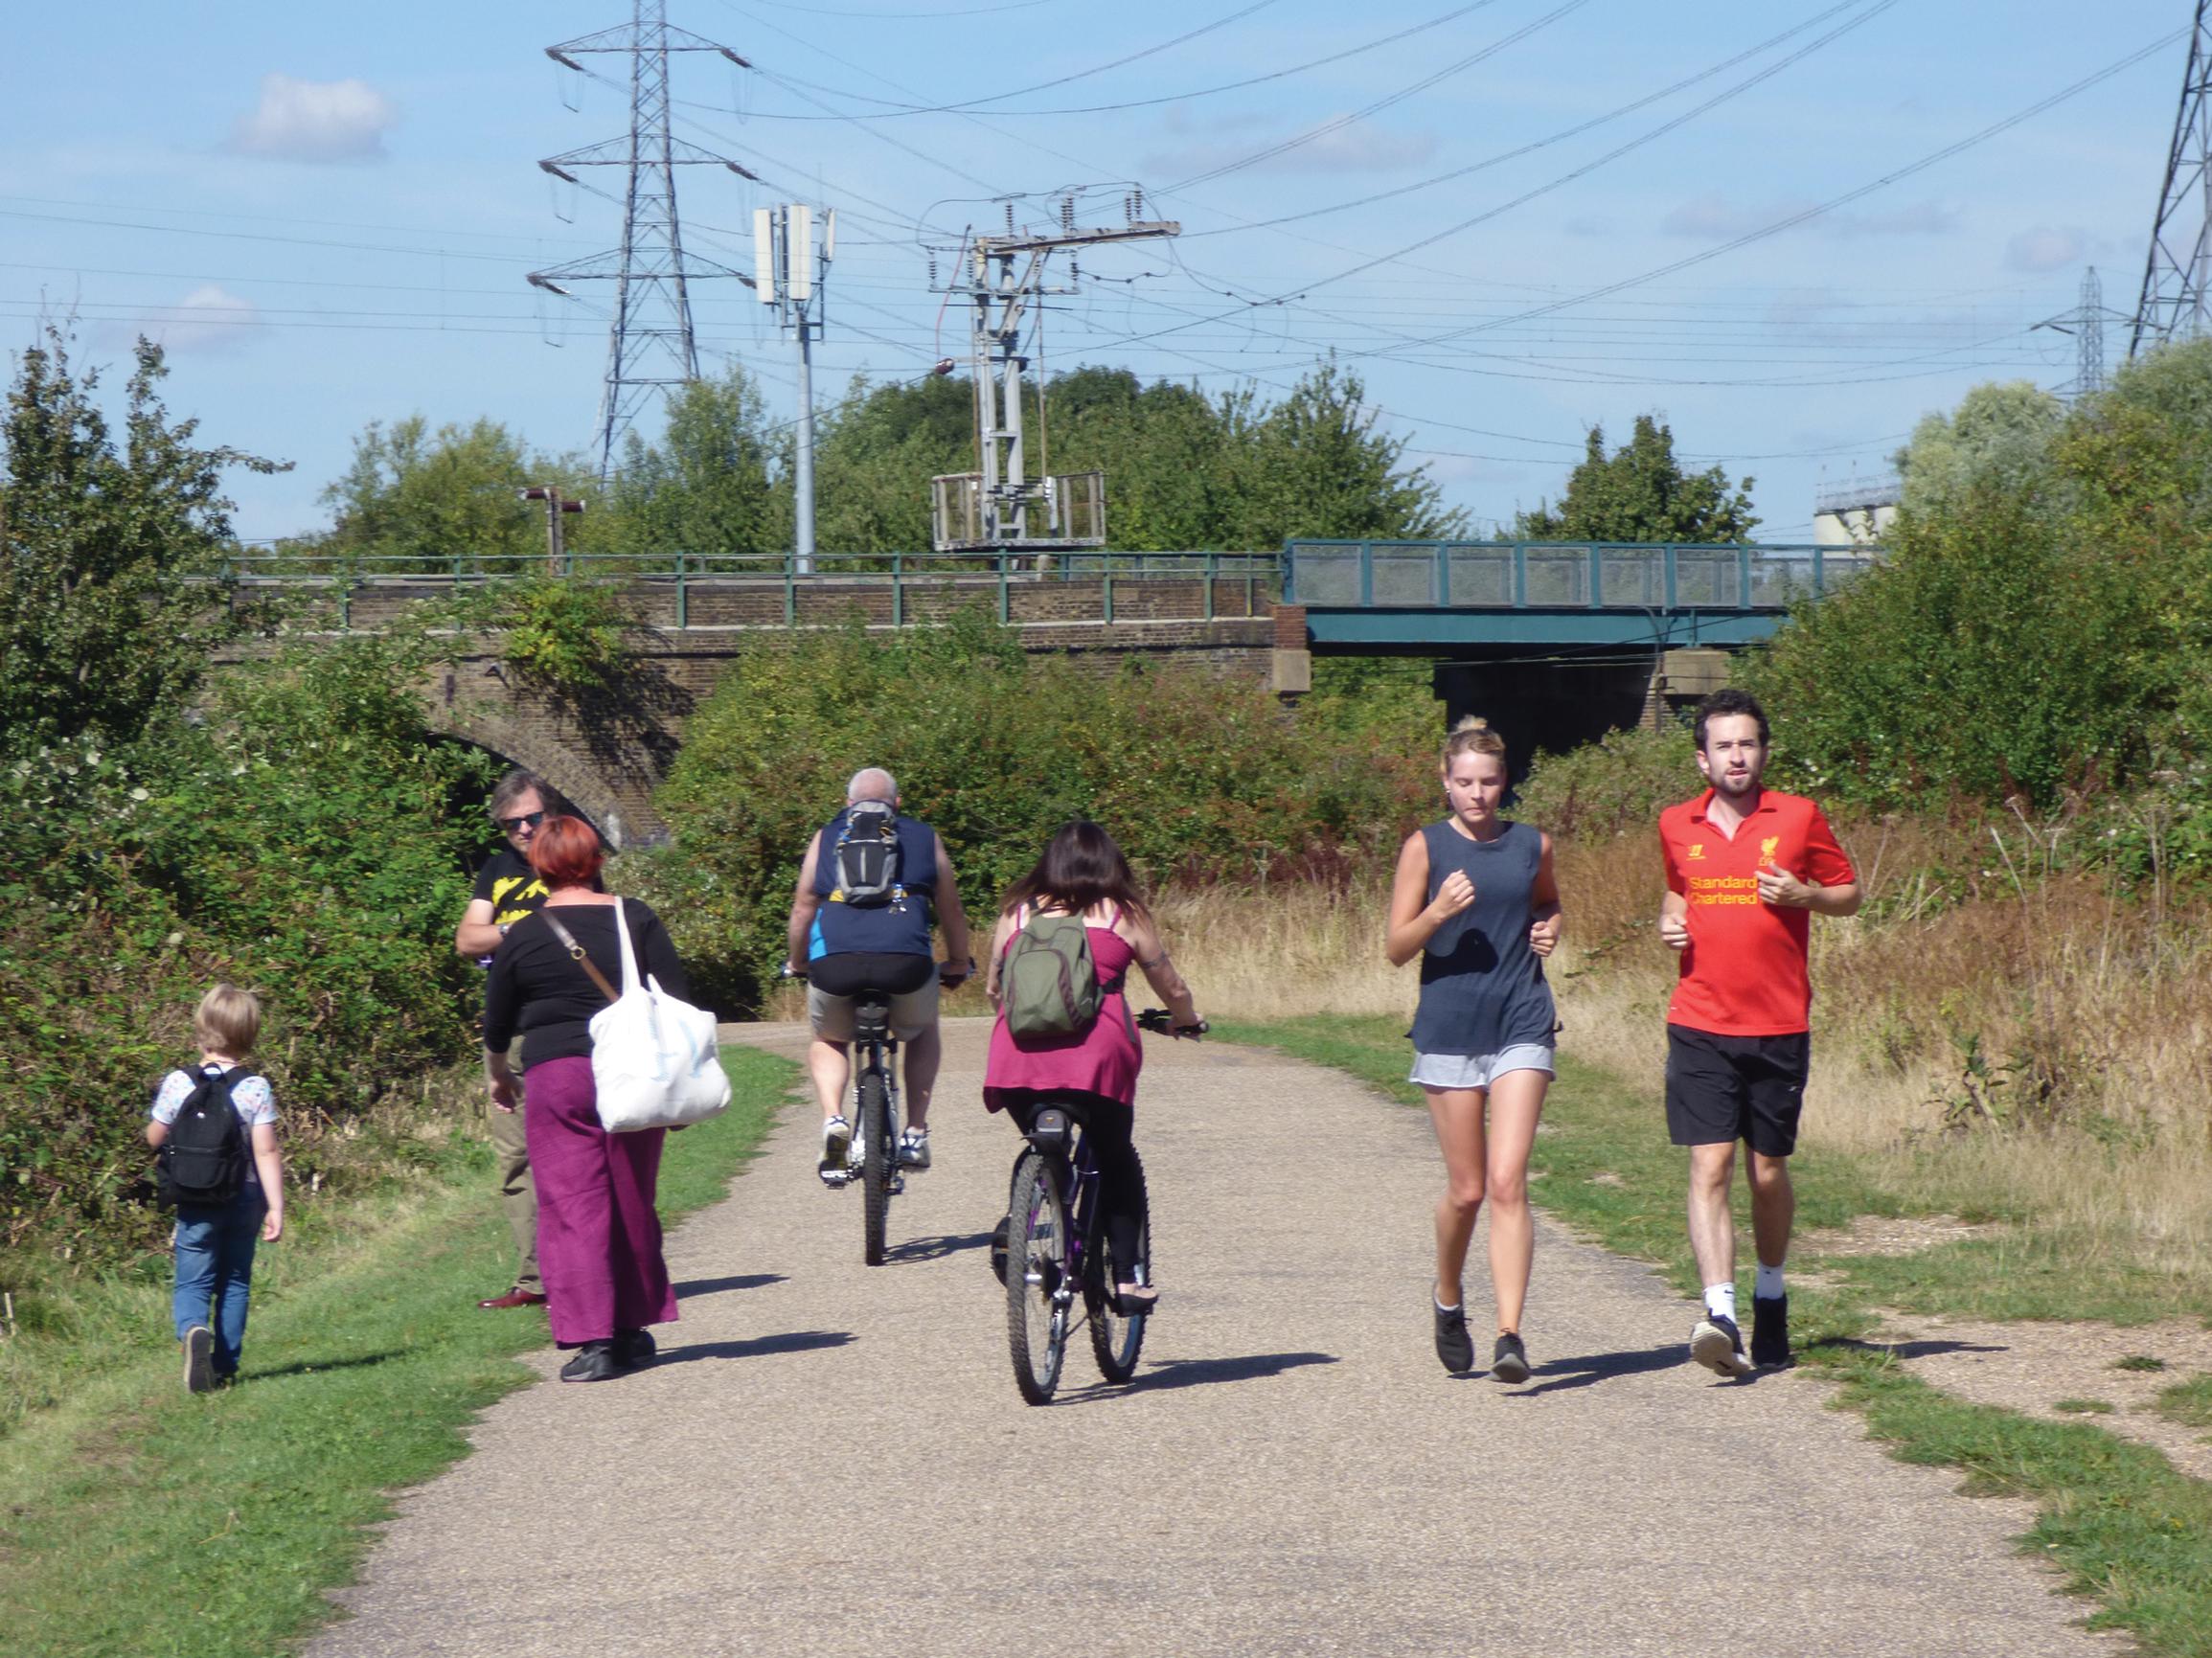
(1108, 1126)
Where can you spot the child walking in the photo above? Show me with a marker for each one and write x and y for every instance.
(215, 1241)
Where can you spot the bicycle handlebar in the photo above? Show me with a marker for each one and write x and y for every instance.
(1160, 1022)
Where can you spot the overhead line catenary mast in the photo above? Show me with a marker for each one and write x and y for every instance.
(650, 348)
(1004, 279)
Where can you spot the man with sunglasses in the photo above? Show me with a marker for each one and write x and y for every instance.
(506, 890)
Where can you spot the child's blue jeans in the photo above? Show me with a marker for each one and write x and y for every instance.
(214, 1270)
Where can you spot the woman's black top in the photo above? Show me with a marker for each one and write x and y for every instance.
(538, 991)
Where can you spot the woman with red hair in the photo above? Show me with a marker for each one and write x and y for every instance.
(599, 1242)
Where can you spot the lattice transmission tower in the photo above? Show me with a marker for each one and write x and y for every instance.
(2086, 322)
(650, 348)
(2179, 273)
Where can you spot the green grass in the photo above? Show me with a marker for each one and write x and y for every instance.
(2189, 1402)
(2112, 1515)
(2139, 1361)
(2086, 1407)
(139, 1521)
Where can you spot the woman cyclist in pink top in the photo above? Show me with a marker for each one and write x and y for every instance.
(1083, 872)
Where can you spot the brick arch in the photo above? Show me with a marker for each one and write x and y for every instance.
(619, 804)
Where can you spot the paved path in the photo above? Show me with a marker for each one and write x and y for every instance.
(833, 1460)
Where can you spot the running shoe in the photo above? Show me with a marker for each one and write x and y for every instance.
(1453, 1345)
(199, 1359)
(1770, 1331)
(1717, 1344)
(836, 1142)
(1509, 1359)
(914, 1148)
(633, 1349)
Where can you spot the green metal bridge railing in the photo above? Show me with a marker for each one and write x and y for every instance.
(1550, 574)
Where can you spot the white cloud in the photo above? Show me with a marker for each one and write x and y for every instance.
(2045, 248)
(317, 121)
(208, 319)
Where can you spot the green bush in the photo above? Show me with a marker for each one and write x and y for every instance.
(303, 839)
(1616, 785)
(1198, 777)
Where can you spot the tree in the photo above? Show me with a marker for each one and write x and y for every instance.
(710, 483)
(413, 495)
(1641, 493)
(105, 612)
(1997, 437)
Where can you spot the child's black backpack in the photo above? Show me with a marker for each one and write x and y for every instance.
(864, 863)
(203, 1161)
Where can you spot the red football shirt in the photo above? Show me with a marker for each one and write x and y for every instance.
(1743, 973)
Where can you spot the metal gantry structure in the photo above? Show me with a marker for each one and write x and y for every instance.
(2179, 274)
(1003, 280)
(650, 348)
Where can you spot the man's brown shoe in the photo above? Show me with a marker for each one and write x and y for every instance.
(516, 1297)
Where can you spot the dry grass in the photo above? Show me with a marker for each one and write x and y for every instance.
(1996, 1041)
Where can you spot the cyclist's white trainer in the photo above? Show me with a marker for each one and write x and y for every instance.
(914, 1148)
(836, 1144)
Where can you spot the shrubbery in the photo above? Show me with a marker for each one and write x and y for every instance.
(1198, 777)
(304, 838)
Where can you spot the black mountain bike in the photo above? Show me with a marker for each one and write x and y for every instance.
(873, 1157)
(1056, 1253)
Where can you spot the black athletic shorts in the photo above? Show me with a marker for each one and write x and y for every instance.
(1721, 1089)
(850, 972)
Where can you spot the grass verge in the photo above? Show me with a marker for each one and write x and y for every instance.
(137, 1520)
(2113, 1516)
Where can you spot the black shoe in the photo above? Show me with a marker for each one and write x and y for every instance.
(1770, 1331)
(633, 1349)
(1509, 1359)
(198, 1359)
(1717, 1344)
(594, 1361)
(1453, 1345)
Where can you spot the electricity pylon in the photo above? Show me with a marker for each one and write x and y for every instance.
(650, 348)
(2179, 269)
(2086, 322)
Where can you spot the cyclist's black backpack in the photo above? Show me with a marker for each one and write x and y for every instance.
(864, 864)
(203, 1161)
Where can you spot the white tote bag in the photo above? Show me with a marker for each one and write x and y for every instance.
(654, 1058)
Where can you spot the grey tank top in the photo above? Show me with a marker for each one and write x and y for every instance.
(1482, 986)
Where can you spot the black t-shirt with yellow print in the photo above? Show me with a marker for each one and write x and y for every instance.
(510, 885)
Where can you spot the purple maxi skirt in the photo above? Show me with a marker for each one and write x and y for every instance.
(597, 1232)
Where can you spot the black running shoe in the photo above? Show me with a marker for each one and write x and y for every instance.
(1770, 1331)
(1509, 1359)
(633, 1349)
(1717, 1344)
(594, 1361)
(1453, 1345)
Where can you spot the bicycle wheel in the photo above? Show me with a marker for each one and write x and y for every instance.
(1038, 1293)
(874, 1131)
(1116, 1341)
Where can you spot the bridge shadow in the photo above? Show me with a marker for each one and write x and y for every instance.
(697, 1286)
(755, 1347)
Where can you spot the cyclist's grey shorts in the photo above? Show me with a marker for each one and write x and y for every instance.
(1478, 1070)
(911, 1013)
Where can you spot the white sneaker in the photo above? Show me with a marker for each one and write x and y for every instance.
(914, 1148)
(836, 1142)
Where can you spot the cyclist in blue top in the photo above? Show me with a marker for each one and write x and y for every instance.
(847, 942)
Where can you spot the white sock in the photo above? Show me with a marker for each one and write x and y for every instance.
(1767, 1286)
(1441, 1307)
(1721, 1301)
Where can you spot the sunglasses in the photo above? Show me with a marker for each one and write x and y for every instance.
(528, 820)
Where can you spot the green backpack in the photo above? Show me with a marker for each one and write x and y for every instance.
(1048, 984)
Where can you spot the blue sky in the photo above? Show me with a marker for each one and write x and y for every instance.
(328, 212)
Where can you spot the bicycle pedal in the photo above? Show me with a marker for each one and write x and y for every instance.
(897, 1185)
(835, 1178)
